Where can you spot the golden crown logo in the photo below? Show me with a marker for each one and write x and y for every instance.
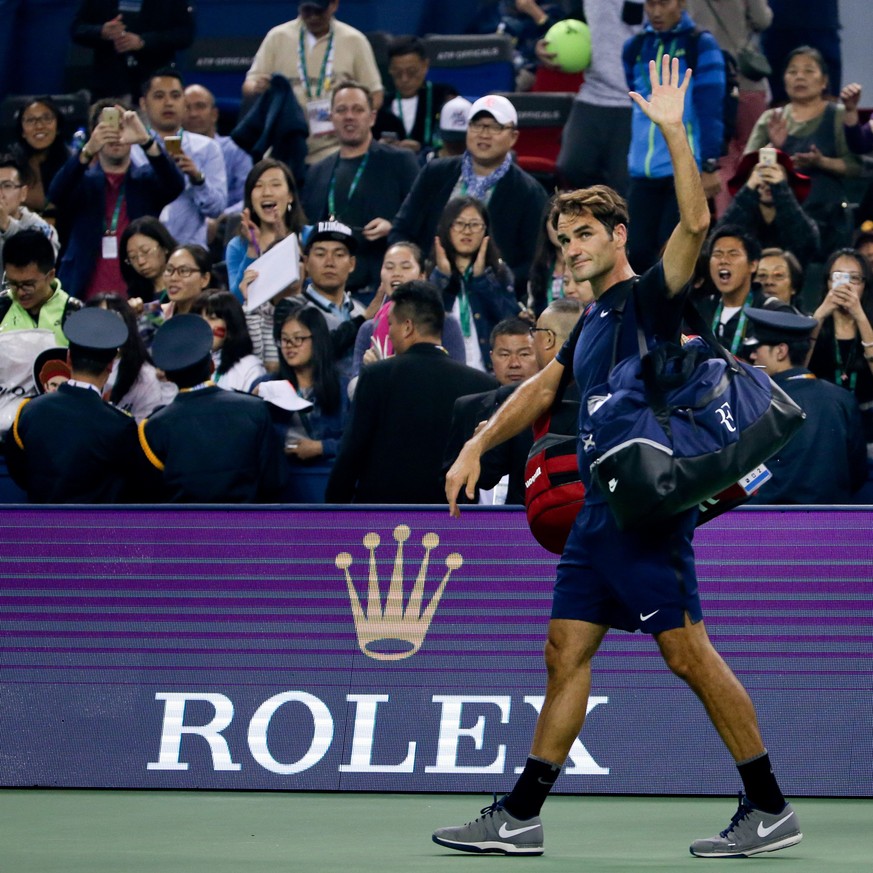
(390, 624)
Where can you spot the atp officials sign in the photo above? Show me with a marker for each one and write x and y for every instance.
(394, 650)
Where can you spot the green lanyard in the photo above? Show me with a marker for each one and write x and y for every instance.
(119, 202)
(428, 118)
(324, 75)
(739, 333)
(843, 378)
(331, 191)
(464, 302)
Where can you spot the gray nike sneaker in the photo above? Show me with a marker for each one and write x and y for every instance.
(751, 832)
(495, 831)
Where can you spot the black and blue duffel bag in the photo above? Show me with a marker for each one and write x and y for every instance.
(678, 424)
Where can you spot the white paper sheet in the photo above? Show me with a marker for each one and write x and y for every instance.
(277, 269)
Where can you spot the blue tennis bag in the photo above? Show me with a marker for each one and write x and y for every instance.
(678, 424)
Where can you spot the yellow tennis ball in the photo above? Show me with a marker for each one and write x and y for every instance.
(570, 41)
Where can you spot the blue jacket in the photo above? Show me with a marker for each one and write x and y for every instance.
(79, 192)
(704, 101)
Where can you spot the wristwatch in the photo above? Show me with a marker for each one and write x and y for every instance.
(710, 165)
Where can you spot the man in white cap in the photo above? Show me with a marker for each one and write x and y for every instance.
(515, 200)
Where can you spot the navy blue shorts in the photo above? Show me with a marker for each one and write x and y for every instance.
(632, 580)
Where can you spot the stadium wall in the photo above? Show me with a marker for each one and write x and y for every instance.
(400, 650)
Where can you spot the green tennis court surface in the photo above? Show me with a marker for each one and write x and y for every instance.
(69, 831)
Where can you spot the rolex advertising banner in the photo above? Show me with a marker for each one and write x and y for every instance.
(397, 649)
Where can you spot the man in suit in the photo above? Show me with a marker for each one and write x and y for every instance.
(209, 445)
(392, 450)
(99, 192)
(70, 446)
(362, 185)
(515, 200)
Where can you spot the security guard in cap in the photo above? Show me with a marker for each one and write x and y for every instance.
(208, 445)
(70, 446)
(825, 461)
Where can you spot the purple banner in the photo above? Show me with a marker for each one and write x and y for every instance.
(401, 650)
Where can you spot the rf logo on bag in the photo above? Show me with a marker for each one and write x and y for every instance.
(725, 417)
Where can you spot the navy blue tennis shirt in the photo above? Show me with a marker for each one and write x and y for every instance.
(589, 349)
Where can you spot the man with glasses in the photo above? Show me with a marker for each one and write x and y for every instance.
(314, 52)
(411, 111)
(486, 171)
(14, 215)
(32, 296)
(100, 191)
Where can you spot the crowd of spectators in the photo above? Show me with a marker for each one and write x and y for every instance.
(408, 189)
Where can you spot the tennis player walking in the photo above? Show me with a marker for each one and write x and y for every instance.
(643, 579)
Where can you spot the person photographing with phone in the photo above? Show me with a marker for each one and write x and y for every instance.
(101, 191)
(768, 195)
(197, 156)
(843, 350)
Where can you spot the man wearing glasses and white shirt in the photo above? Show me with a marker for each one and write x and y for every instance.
(14, 215)
(486, 171)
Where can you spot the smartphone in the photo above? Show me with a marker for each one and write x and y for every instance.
(839, 278)
(111, 117)
(767, 156)
(173, 144)
(389, 136)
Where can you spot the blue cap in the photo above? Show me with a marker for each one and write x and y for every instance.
(181, 342)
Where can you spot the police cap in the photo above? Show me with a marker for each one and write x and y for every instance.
(95, 328)
(780, 323)
(181, 342)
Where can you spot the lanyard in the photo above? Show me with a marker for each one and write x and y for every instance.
(841, 377)
(119, 202)
(464, 302)
(428, 117)
(331, 191)
(740, 331)
(326, 66)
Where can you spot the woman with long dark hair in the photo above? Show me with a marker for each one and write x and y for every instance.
(843, 351)
(237, 368)
(133, 384)
(311, 436)
(271, 211)
(187, 275)
(40, 148)
(475, 282)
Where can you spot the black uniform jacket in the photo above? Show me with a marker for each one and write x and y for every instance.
(73, 447)
(214, 446)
